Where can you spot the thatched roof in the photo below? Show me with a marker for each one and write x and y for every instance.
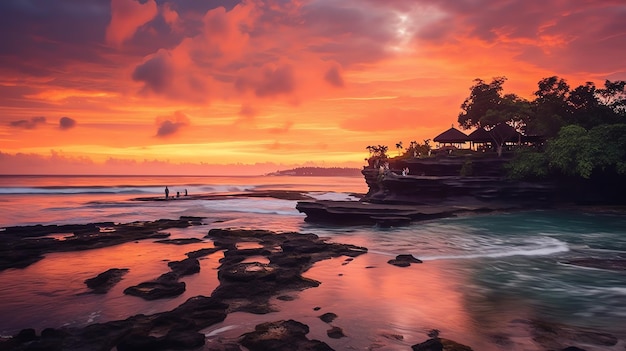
(451, 135)
(480, 135)
(501, 132)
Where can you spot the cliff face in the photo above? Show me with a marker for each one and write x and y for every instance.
(449, 180)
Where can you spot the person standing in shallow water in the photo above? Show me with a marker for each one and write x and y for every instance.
(167, 193)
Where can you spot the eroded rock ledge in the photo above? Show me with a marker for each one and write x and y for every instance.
(243, 287)
(389, 214)
(22, 246)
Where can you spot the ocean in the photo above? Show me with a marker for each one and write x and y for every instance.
(482, 277)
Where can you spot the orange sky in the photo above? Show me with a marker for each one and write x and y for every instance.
(248, 87)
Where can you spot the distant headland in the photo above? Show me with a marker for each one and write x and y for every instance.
(319, 172)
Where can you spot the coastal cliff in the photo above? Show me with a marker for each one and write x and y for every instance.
(452, 179)
(404, 190)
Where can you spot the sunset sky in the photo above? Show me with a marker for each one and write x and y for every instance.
(249, 87)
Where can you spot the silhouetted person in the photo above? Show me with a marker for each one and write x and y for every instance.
(167, 193)
(178, 194)
(185, 192)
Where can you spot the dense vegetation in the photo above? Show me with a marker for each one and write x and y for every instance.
(583, 129)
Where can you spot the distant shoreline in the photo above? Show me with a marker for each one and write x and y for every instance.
(319, 172)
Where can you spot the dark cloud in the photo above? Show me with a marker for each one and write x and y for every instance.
(169, 126)
(156, 73)
(66, 123)
(199, 7)
(333, 77)
(28, 123)
(275, 82)
(41, 36)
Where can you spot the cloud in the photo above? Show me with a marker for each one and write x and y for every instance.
(274, 82)
(28, 123)
(126, 17)
(333, 77)
(169, 126)
(66, 123)
(156, 72)
(270, 83)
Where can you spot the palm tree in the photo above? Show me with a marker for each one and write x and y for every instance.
(399, 147)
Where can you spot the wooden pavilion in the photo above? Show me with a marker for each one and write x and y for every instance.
(502, 134)
(452, 137)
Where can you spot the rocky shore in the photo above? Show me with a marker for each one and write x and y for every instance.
(447, 186)
(257, 266)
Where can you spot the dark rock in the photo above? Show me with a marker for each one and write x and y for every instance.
(573, 348)
(187, 266)
(221, 345)
(202, 252)
(404, 260)
(139, 342)
(440, 344)
(167, 285)
(282, 336)
(183, 339)
(316, 308)
(335, 333)
(51, 333)
(245, 272)
(328, 317)
(26, 335)
(24, 245)
(242, 288)
(104, 281)
(429, 345)
(389, 213)
(156, 289)
(182, 241)
(257, 282)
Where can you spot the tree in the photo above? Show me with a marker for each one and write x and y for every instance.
(550, 107)
(614, 96)
(487, 108)
(483, 98)
(586, 110)
(378, 155)
(415, 149)
(399, 147)
(578, 152)
(571, 153)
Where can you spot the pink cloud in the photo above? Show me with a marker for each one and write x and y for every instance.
(127, 16)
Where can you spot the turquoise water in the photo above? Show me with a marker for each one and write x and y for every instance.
(480, 273)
